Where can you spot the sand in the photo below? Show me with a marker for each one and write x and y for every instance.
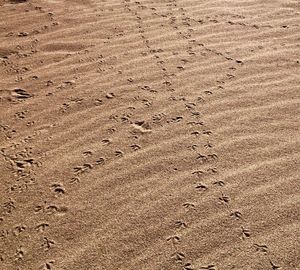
(151, 134)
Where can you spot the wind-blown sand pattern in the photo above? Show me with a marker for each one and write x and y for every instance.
(151, 134)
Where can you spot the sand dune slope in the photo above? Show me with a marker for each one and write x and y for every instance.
(151, 134)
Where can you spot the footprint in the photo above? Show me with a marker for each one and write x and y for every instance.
(146, 88)
(58, 189)
(167, 83)
(135, 147)
(20, 115)
(141, 127)
(110, 95)
(207, 132)
(84, 168)
(195, 133)
(180, 224)
(9, 206)
(236, 215)
(178, 256)
(112, 130)
(193, 147)
(4, 234)
(212, 170)
(219, 183)
(87, 154)
(207, 92)
(47, 243)
(190, 105)
(106, 141)
(230, 76)
(209, 267)
(20, 94)
(201, 187)
(224, 199)
(119, 153)
(100, 161)
(53, 209)
(38, 209)
(74, 180)
(212, 156)
(274, 266)
(98, 102)
(188, 206)
(245, 233)
(202, 158)
(261, 248)
(174, 239)
(188, 266)
(194, 123)
(198, 173)
(19, 255)
(47, 266)
(42, 227)
(126, 118)
(158, 117)
(176, 119)
(130, 80)
(19, 229)
(147, 102)
(22, 165)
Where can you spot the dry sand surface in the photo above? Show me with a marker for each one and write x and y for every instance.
(149, 135)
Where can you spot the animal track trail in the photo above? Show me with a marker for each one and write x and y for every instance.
(178, 256)
(166, 75)
(202, 158)
(187, 34)
(23, 164)
(244, 232)
(160, 63)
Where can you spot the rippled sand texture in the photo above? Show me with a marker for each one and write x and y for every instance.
(151, 134)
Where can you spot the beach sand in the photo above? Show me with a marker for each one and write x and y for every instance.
(151, 134)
